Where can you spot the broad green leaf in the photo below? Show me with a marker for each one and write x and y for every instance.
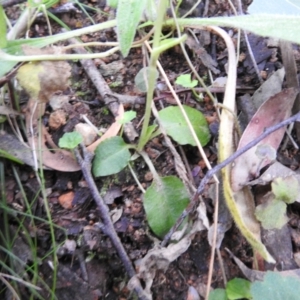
(186, 81)
(286, 7)
(111, 156)
(3, 41)
(70, 140)
(164, 201)
(276, 287)
(128, 116)
(176, 126)
(217, 294)
(272, 213)
(129, 13)
(238, 288)
(142, 77)
(261, 24)
(286, 189)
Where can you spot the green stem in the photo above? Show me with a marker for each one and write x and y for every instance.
(152, 70)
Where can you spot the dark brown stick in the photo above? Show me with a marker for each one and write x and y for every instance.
(108, 227)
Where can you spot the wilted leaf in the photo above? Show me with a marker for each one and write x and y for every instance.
(269, 88)
(4, 110)
(164, 201)
(111, 156)
(277, 108)
(286, 189)
(129, 14)
(275, 170)
(173, 121)
(142, 77)
(276, 287)
(265, 152)
(238, 288)
(272, 213)
(42, 79)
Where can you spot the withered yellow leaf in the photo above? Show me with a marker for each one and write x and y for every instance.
(28, 77)
(42, 79)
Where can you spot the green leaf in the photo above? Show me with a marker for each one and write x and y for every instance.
(142, 77)
(276, 287)
(127, 117)
(164, 201)
(238, 288)
(112, 3)
(176, 126)
(111, 156)
(185, 81)
(217, 294)
(286, 189)
(261, 24)
(287, 7)
(272, 213)
(15, 47)
(3, 40)
(129, 14)
(70, 140)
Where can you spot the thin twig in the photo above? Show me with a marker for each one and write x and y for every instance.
(213, 245)
(224, 163)
(108, 227)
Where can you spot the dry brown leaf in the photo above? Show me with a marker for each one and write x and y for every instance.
(273, 111)
(4, 110)
(111, 131)
(65, 200)
(58, 159)
(254, 275)
(42, 79)
(159, 258)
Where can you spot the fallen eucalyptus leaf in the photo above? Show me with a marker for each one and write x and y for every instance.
(278, 108)
(10, 144)
(142, 77)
